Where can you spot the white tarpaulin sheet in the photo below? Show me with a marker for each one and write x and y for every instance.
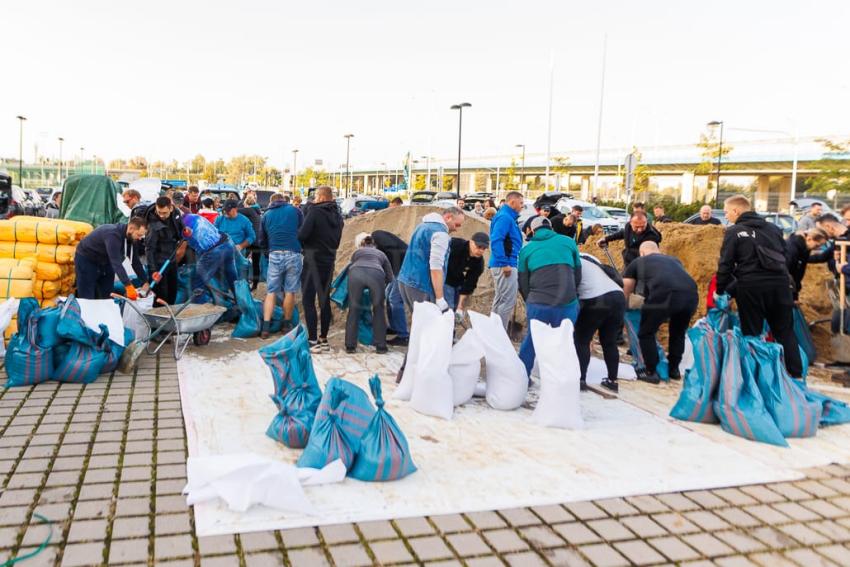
(482, 459)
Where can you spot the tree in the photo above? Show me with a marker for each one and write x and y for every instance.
(198, 163)
(833, 168)
(709, 144)
(510, 174)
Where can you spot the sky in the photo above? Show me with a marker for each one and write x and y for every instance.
(174, 79)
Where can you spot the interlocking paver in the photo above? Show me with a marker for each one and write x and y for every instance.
(585, 510)
(519, 517)
(639, 552)
(217, 545)
(258, 541)
(411, 527)
(469, 544)
(643, 526)
(576, 533)
(87, 530)
(740, 541)
(299, 537)
(78, 554)
(166, 547)
(677, 502)
(763, 494)
(526, 558)
(706, 499)
(603, 555)
(266, 559)
(803, 534)
(837, 553)
(451, 523)
(429, 548)
(351, 555)
(673, 548)
(824, 508)
(125, 551)
(610, 530)
(675, 523)
(391, 551)
(767, 514)
(808, 558)
(706, 520)
(504, 541)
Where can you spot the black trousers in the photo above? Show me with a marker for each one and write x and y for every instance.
(603, 314)
(772, 303)
(94, 281)
(166, 289)
(677, 309)
(373, 280)
(256, 254)
(316, 279)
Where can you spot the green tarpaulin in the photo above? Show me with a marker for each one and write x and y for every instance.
(92, 199)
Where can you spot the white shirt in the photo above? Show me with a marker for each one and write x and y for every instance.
(594, 281)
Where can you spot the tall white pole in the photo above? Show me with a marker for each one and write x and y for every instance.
(794, 165)
(549, 132)
(599, 123)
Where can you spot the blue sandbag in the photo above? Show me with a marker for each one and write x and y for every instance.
(339, 289)
(833, 412)
(184, 283)
(341, 420)
(384, 453)
(26, 362)
(794, 415)
(250, 318)
(48, 335)
(701, 380)
(83, 363)
(721, 318)
(72, 327)
(114, 351)
(632, 320)
(243, 266)
(290, 362)
(340, 296)
(739, 405)
(291, 426)
(804, 335)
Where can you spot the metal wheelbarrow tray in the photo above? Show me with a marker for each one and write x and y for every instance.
(192, 322)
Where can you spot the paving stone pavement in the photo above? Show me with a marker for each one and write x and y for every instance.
(106, 463)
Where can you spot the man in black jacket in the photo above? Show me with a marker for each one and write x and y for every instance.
(798, 254)
(319, 236)
(103, 254)
(466, 263)
(252, 210)
(638, 231)
(753, 269)
(395, 249)
(165, 231)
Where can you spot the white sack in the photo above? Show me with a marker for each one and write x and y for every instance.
(8, 309)
(465, 366)
(597, 371)
(507, 381)
(95, 312)
(423, 314)
(558, 405)
(432, 384)
(134, 321)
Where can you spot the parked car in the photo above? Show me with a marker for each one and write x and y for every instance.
(472, 198)
(803, 204)
(786, 222)
(423, 197)
(263, 197)
(716, 213)
(355, 206)
(552, 198)
(45, 193)
(28, 202)
(526, 213)
(617, 213)
(591, 215)
(6, 199)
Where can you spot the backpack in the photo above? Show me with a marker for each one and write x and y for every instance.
(610, 271)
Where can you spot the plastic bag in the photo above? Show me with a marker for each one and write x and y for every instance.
(507, 380)
(833, 412)
(204, 234)
(432, 385)
(250, 319)
(804, 335)
(82, 363)
(134, 321)
(341, 420)
(290, 362)
(739, 405)
(26, 362)
(296, 412)
(424, 314)
(632, 320)
(720, 317)
(339, 289)
(559, 404)
(384, 454)
(465, 366)
(8, 309)
(702, 379)
(794, 415)
(72, 327)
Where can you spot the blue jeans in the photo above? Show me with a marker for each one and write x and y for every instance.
(216, 267)
(395, 310)
(552, 315)
(451, 293)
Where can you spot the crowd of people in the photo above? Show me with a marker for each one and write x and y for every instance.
(539, 261)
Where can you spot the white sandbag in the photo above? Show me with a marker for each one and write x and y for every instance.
(432, 384)
(507, 381)
(423, 314)
(135, 322)
(597, 371)
(480, 390)
(558, 405)
(8, 309)
(465, 366)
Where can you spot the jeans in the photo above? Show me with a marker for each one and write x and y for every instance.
(550, 314)
(316, 284)
(217, 263)
(284, 271)
(451, 293)
(678, 309)
(504, 298)
(360, 279)
(94, 281)
(603, 314)
(411, 296)
(395, 310)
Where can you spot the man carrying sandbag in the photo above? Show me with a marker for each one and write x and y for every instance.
(753, 269)
(670, 294)
(110, 250)
(549, 270)
(164, 234)
(635, 233)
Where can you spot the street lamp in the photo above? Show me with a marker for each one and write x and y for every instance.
(348, 162)
(60, 160)
(295, 169)
(459, 108)
(715, 124)
(428, 175)
(522, 170)
(21, 120)
(82, 149)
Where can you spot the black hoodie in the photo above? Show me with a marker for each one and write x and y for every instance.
(321, 232)
(753, 253)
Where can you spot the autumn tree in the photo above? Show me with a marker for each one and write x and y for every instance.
(833, 168)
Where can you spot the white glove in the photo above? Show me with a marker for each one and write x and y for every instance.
(443, 304)
(459, 316)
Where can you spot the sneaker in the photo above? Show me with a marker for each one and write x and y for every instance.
(398, 341)
(391, 332)
(648, 377)
(611, 385)
(350, 349)
(582, 386)
(674, 374)
(315, 347)
(324, 346)
(381, 350)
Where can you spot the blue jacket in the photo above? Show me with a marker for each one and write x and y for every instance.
(239, 229)
(416, 269)
(505, 238)
(279, 228)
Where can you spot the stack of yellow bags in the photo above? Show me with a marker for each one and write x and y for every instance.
(37, 259)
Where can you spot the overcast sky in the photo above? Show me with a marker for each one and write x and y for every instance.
(172, 79)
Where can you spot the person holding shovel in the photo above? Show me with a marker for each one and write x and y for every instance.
(164, 241)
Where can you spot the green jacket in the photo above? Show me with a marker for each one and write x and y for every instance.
(549, 269)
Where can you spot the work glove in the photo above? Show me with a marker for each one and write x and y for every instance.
(131, 293)
(443, 305)
(156, 276)
(459, 317)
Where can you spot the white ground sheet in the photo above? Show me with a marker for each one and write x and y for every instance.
(482, 459)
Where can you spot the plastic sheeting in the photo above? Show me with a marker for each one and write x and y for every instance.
(92, 199)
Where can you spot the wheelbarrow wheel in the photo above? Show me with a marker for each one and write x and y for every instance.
(201, 338)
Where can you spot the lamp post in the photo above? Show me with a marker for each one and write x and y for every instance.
(348, 162)
(295, 169)
(714, 124)
(428, 175)
(522, 170)
(21, 120)
(459, 108)
(82, 149)
(60, 160)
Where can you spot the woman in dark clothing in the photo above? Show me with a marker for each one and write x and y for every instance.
(252, 210)
(798, 253)
(369, 269)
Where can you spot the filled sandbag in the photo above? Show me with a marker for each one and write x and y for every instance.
(131, 319)
(81, 229)
(11, 268)
(465, 366)
(384, 454)
(45, 289)
(702, 378)
(82, 363)
(632, 321)
(14, 281)
(55, 253)
(432, 384)
(424, 314)
(26, 362)
(250, 318)
(559, 402)
(36, 229)
(507, 381)
(804, 335)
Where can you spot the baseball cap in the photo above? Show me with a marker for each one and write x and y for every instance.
(540, 222)
(481, 239)
(177, 198)
(231, 204)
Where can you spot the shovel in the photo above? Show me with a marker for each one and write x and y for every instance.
(515, 328)
(133, 351)
(840, 343)
(610, 258)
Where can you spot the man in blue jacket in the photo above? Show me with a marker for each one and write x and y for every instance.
(279, 238)
(236, 225)
(505, 244)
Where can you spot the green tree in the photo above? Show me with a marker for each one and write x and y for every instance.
(710, 151)
(833, 168)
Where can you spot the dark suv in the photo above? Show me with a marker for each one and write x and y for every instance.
(6, 201)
